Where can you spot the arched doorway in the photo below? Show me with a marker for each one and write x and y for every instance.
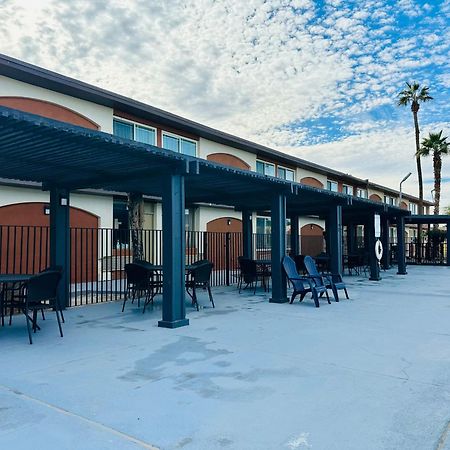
(311, 239)
(224, 237)
(25, 240)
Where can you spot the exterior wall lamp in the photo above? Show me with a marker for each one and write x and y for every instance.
(401, 182)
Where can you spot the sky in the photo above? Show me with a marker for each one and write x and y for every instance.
(317, 79)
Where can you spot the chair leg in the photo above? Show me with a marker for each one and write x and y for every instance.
(28, 319)
(124, 301)
(210, 294)
(293, 297)
(346, 293)
(35, 313)
(42, 314)
(195, 297)
(59, 323)
(316, 298)
(335, 293)
(328, 297)
(302, 296)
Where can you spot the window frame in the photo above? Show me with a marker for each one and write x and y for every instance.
(347, 186)
(179, 137)
(413, 208)
(266, 164)
(332, 183)
(286, 169)
(365, 191)
(390, 203)
(137, 124)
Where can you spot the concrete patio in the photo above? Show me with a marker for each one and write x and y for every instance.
(372, 372)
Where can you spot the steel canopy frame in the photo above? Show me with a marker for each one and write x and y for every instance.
(65, 157)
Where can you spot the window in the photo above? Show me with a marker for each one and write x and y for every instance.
(135, 132)
(179, 144)
(332, 186)
(390, 200)
(413, 208)
(285, 174)
(265, 168)
(263, 225)
(362, 193)
(346, 189)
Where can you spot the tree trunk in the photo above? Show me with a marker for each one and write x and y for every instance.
(437, 165)
(136, 224)
(418, 161)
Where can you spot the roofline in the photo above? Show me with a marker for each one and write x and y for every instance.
(38, 76)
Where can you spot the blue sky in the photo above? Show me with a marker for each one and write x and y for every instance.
(316, 79)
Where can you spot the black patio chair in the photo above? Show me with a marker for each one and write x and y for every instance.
(57, 269)
(301, 285)
(329, 280)
(199, 276)
(250, 274)
(300, 263)
(141, 280)
(39, 293)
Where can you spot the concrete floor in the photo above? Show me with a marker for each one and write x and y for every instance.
(372, 372)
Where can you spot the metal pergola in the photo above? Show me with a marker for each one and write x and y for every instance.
(65, 158)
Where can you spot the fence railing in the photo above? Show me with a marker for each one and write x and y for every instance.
(98, 255)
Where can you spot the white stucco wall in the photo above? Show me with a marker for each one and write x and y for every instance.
(207, 147)
(101, 206)
(205, 214)
(302, 173)
(101, 115)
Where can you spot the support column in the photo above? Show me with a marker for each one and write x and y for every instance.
(60, 240)
(295, 235)
(278, 235)
(334, 232)
(373, 261)
(401, 246)
(351, 238)
(174, 254)
(386, 259)
(448, 244)
(247, 234)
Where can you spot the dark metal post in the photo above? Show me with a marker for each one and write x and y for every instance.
(448, 244)
(227, 258)
(295, 235)
(60, 240)
(386, 260)
(401, 246)
(334, 232)
(371, 239)
(278, 235)
(174, 253)
(247, 234)
(351, 238)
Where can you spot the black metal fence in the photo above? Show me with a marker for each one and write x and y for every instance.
(429, 252)
(98, 256)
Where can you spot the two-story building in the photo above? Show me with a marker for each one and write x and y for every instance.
(35, 90)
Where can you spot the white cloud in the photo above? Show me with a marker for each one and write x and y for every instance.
(258, 69)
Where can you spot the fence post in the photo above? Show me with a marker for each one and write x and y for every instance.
(227, 257)
(401, 261)
(448, 242)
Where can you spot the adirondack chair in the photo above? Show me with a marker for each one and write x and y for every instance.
(329, 280)
(302, 285)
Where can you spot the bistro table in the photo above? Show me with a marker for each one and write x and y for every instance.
(10, 282)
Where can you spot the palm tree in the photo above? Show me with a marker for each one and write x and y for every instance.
(438, 146)
(415, 95)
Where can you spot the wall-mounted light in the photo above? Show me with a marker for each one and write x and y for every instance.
(63, 201)
(228, 222)
(311, 226)
(47, 210)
